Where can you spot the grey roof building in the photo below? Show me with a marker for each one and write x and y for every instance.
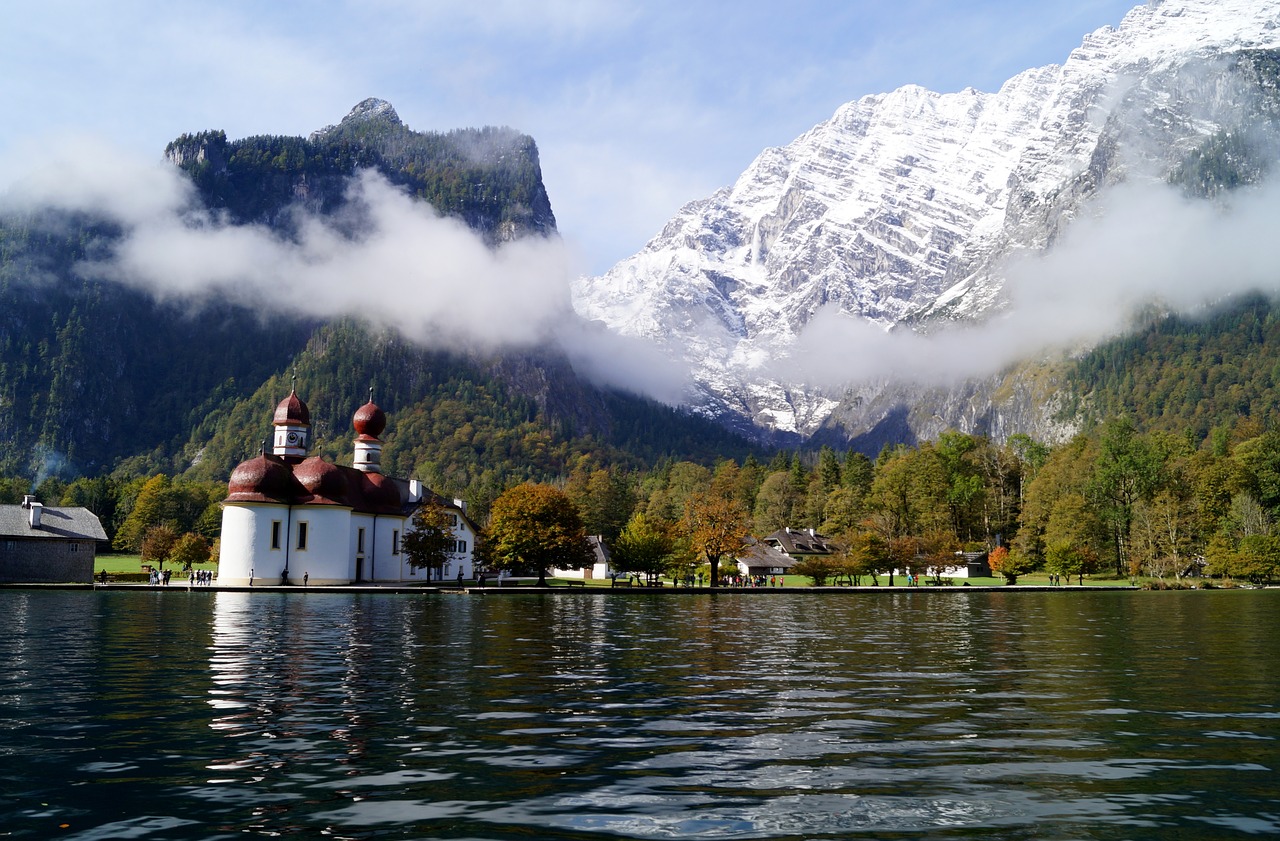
(42, 544)
(802, 543)
(759, 558)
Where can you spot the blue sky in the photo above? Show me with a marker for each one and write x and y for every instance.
(637, 107)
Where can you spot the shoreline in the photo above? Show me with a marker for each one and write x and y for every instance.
(471, 590)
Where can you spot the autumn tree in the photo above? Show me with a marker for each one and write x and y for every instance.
(1010, 565)
(431, 540)
(533, 527)
(190, 550)
(938, 550)
(158, 543)
(741, 483)
(717, 527)
(860, 552)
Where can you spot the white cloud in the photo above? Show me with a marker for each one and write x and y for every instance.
(86, 174)
(429, 277)
(1143, 244)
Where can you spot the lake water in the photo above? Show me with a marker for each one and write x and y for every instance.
(175, 715)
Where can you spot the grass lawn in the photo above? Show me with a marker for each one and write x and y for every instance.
(121, 564)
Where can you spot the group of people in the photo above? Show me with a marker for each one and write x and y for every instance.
(755, 581)
(157, 578)
(201, 577)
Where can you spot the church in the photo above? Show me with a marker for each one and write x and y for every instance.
(290, 518)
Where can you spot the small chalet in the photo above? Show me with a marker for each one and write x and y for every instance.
(802, 543)
(760, 558)
(42, 544)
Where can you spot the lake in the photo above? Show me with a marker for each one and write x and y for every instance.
(984, 715)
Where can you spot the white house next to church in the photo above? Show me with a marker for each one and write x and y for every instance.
(293, 518)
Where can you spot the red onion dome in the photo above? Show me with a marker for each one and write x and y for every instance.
(292, 412)
(369, 420)
(261, 479)
(323, 482)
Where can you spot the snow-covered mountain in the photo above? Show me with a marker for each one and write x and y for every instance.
(903, 207)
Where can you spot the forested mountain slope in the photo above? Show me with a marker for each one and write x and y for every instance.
(1183, 374)
(96, 375)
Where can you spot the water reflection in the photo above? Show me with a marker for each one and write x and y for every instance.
(961, 715)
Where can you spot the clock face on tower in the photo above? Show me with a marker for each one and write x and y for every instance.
(292, 438)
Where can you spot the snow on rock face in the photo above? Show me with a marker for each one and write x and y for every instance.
(902, 205)
(367, 110)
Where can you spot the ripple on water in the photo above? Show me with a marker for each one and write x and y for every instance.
(985, 716)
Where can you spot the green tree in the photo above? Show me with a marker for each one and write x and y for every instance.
(1128, 471)
(1256, 558)
(533, 527)
(817, 567)
(1031, 455)
(148, 510)
(910, 492)
(12, 489)
(775, 503)
(603, 498)
(431, 540)
(1067, 470)
(845, 511)
(965, 494)
(187, 506)
(1073, 537)
(828, 470)
(1066, 559)
(681, 481)
(644, 547)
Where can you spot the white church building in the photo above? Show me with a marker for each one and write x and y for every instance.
(293, 518)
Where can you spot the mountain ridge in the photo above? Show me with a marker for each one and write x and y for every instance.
(902, 209)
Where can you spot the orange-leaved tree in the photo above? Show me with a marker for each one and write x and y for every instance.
(533, 527)
(717, 526)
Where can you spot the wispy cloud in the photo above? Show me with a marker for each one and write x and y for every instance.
(407, 268)
(1142, 244)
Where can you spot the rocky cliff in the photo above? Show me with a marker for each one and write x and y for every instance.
(904, 209)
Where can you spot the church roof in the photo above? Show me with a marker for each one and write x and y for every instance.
(290, 480)
(325, 483)
(266, 478)
(369, 420)
(314, 481)
(291, 411)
